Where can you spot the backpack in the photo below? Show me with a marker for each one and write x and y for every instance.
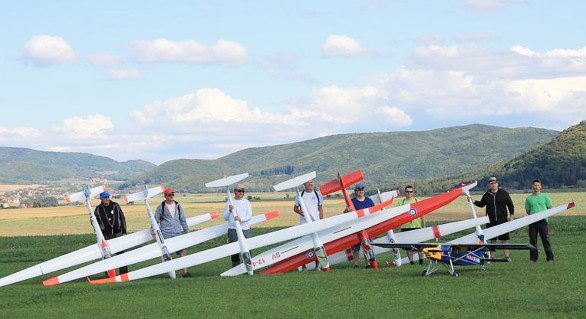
(163, 209)
(318, 201)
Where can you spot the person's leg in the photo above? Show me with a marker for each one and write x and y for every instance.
(421, 257)
(533, 253)
(410, 256)
(544, 234)
(233, 237)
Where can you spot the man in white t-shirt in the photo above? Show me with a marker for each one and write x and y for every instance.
(313, 201)
(244, 210)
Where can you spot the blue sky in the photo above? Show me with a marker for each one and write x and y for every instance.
(162, 80)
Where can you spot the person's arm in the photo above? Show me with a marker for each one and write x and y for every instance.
(321, 211)
(510, 207)
(97, 216)
(527, 205)
(548, 202)
(481, 202)
(297, 207)
(423, 221)
(122, 219)
(182, 218)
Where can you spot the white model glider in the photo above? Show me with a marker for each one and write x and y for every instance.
(225, 182)
(318, 246)
(144, 195)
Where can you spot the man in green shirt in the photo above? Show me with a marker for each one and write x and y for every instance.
(535, 203)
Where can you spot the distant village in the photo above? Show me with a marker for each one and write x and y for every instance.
(41, 195)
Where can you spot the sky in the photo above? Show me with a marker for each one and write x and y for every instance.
(164, 80)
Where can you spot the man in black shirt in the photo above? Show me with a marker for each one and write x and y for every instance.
(499, 209)
(111, 220)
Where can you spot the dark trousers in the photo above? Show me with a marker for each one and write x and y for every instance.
(542, 229)
(233, 237)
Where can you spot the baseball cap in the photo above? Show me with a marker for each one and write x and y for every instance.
(168, 191)
(104, 195)
(492, 179)
(359, 186)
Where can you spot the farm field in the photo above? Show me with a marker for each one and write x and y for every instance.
(73, 219)
(504, 290)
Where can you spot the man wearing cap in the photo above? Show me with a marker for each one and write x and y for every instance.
(171, 218)
(417, 223)
(359, 201)
(111, 220)
(499, 209)
(241, 206)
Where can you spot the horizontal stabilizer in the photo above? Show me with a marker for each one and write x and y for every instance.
(341, 183)
(79, 196)
(227, 181)
(294, 182)
(497, 260)
(138, 196)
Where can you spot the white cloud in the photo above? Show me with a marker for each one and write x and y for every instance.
(342, 46)
(46, 50)
(18, 132)
(124, 74)
(493, 4)
(396, 116)
(223, 52)
(102, 59)
(94, 126)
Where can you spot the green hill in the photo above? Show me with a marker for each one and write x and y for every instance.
(386, 159)
(22, 165)
(558, 163)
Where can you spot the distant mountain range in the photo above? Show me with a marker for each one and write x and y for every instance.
(435, 160)
(558, 163)
(22, 166)
(392, 158)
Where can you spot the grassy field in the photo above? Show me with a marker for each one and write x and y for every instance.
(504, 290)
(74, 220)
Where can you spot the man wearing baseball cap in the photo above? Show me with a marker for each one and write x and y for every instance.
(499, 209)
(111, 220)
(171, 218)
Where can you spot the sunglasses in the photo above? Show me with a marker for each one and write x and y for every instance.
(408, 191)
(170, 195)
(239, 190)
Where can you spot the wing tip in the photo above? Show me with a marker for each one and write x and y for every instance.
(272, 214)
(51, 282)
(214, 215)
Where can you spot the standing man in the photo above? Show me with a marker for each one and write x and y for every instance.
(359, 201)
(414, 224)
(535, 203)
(499, 209)
(313, 201)
(244, 210)
(111, 220)
(171, 218)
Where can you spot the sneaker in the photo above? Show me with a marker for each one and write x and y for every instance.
(420, 262)
(508, 259)
(411, 262)
(186, 275)
(356, 267)
(368, 266)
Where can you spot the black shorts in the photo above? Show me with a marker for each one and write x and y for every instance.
(504, 236)
(408, 229)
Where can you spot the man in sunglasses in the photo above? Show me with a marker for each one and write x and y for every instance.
(244, 210)
(171, 218)
(414, 224)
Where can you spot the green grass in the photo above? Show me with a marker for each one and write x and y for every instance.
(505, 290)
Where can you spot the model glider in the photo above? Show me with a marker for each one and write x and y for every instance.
(92, 252)
(412, 211)
(225, 182)
(318, 246)
(144, 195)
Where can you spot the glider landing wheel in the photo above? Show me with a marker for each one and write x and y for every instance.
(455, 274)
(424, 273)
